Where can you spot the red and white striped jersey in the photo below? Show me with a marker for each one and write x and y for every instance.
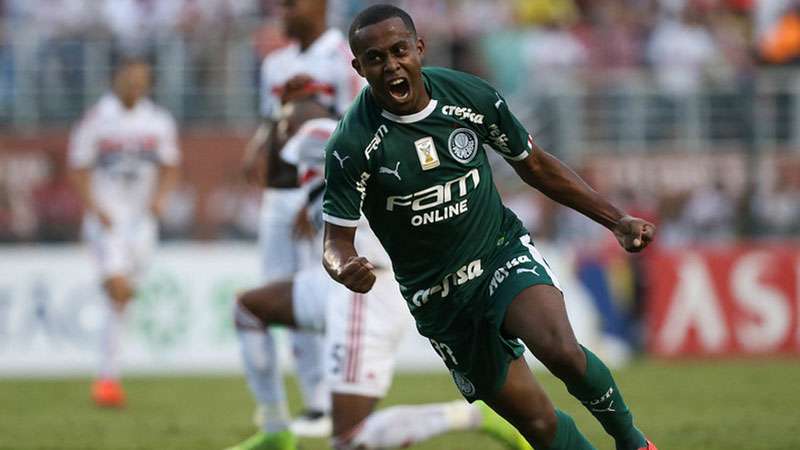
(327, 61)
(124, 148)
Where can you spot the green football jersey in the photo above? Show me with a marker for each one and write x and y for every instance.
(424, 183)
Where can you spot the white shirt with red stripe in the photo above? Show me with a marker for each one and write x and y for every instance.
(327, 61)
(124, 148)
(306, 150)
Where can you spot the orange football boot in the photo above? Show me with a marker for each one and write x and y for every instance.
(108, 393)
(650, 446)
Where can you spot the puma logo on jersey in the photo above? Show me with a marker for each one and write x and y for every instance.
(498, 102)
(340, 159)
(533, 271)
(395, 172)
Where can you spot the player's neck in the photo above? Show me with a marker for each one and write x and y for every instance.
(311, 36)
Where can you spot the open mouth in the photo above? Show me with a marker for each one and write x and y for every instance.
(399, 89)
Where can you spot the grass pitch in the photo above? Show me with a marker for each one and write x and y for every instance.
(732, 405)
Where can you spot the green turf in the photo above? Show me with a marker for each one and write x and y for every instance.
(740, 405)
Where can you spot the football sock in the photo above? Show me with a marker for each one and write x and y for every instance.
(111, 342)
(568, 437)
(307, 350)
(262, 370)
(600, 395)
(402, 426)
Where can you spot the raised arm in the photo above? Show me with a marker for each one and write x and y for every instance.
(553, 178)
(342, 261)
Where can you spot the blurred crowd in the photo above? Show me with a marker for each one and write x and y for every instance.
(528, 48)
(685, 42)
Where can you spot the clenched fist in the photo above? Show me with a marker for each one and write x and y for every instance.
(357, 274)
(633, 233)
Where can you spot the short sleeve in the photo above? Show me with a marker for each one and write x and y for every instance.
(82, 145)
(506, 135)
(307, 146)
(346, 177)
(168, 151)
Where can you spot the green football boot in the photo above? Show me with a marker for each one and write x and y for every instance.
(282, 440)
(497, 427)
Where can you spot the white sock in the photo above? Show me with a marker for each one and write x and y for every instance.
(262, 369)
(307, 350)
(401, 426)
(111, 342)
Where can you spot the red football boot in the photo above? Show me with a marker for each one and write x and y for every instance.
(108, 393)
(650, 446)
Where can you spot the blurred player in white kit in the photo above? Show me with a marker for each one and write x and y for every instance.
(361, 331)
(124, 158)
(318, 61)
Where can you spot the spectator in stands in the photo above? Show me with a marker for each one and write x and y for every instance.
(682, 51)
(553, 56)
(710, 214)
(780, 44)
(777, 208)
(138, 24)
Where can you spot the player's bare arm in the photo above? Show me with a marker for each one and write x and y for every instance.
(553, 178)
(342, 261)
(255, 156)
(167, 180)
(82, 180)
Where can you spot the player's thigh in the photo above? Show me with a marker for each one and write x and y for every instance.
(362, 336)
(271, 303)
(528, 304)
(312, 291)
(522, 401)
(141, 240)
(108, 247)
(538, 316)
(277, 247)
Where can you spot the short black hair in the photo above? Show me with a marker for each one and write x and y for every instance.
(375, 14)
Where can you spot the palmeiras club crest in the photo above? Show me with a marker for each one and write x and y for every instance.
(463, 384)
(463, 145)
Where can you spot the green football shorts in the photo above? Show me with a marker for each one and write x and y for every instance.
(474, 348)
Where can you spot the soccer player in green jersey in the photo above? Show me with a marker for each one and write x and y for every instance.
(411, 155)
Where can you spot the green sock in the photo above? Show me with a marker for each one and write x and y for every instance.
(568, 437)
(600, 395)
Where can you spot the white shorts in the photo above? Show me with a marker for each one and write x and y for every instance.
(124, 249)
(362, 331)
(281, 254)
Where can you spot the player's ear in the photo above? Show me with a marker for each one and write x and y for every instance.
(420, 46)
(357, 65)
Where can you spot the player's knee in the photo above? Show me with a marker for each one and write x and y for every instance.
(347, 441)
(119, 291)
(243, 316)
(563, 357)
(540, 429)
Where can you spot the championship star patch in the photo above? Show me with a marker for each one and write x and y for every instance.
(463, 145)
(426, 151)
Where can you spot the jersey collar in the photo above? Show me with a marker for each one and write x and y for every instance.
(411, 118)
